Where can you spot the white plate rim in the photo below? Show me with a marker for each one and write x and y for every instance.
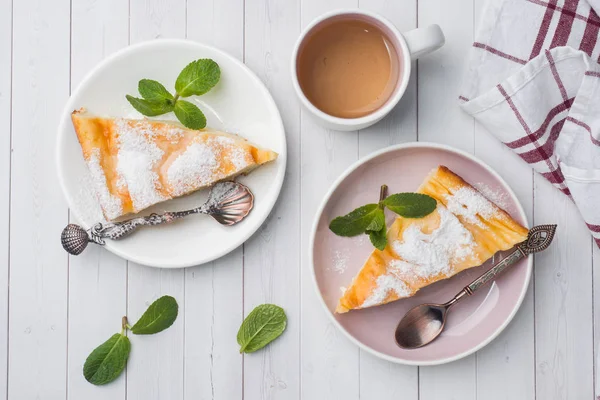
(282, 156)
(326, 198)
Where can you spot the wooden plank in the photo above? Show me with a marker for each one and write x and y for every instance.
(213, 314)
(379, 378)
(272, 256)
(440, 75)
(5, 143)
(214, 292)
(155, 369)
(563, 301)
(441, 120)
(37, 347)
(329, 362)
(97, 279)
(596, 309)
(218, 23)
(156, 19)
(511, 355)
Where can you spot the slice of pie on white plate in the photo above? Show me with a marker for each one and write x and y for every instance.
(464, 231)
(135, 164)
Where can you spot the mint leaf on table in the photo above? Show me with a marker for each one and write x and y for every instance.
(379, 238)
(198, 77)
(150, 108)
(410, 205)
(355, 222)
(159, 316)
(107, 361)
(189, 115)
(154, 91)
(263, 325)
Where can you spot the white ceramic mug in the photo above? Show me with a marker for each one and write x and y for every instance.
(409, 46)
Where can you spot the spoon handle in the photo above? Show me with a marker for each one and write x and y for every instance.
(493, 272)
(118, 230)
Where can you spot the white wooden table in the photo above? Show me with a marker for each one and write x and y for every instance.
(55, 309)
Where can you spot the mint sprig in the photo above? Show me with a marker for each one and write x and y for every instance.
(150, 108)
(357, 221)
(189, 115)
(106, 362)
(263, 325)
(410, 205)
(159, 316)
(370, 218)
(154, 91)
(197, 78)
(379, 238)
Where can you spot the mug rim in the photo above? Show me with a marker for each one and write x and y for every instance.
(400, 86)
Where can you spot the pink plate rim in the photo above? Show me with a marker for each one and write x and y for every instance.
(340, 179)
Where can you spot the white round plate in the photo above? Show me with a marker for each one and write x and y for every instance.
(239, 103)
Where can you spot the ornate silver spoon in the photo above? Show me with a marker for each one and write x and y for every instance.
(422, 324)
(228, 203)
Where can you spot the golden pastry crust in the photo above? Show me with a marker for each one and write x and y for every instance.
(492, 232)
(137, 163)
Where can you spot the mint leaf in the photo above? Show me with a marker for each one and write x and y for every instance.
(106, 362)
(410, 205)
(159, 316)
(263, 325)
(154, 91)
(356, 222)
(150, 108)
(379, 238)
(198, 77)
(378, 221)
(189, 115)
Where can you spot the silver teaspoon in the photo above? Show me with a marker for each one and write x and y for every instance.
(422, 324)
(228, 203)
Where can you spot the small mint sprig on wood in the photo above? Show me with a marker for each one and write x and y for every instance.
(263, 325)
(107, 361)
(370, 218)
(197, 78)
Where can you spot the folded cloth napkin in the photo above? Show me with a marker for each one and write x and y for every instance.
(533, 80)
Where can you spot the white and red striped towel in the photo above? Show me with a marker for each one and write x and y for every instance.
(534, 82)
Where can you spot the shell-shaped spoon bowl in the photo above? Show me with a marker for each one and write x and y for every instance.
(74, 239)
(229, 202)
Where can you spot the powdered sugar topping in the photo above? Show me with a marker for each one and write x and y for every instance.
(340, 261)
(498, 196)
(235, 154)
(386, 283)
(193, 168)
(111, 204)
(200, 164)
(136, 160)
(470, 204)
(432, 254)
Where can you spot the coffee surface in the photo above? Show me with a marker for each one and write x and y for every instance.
(347, 68)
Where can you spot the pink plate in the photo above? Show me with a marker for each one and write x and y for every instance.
(335, 260)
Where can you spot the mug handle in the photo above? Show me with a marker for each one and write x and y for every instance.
(423, 41)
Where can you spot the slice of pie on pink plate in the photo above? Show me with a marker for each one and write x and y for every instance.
(464, 231)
